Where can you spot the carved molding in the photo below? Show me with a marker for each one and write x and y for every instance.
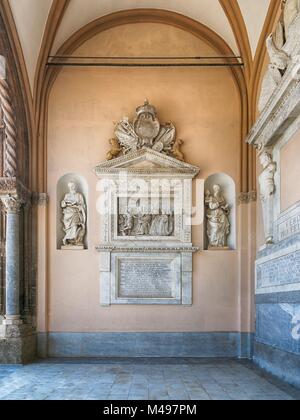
(247, 197)
(12, 204)
(172, 165)
(281, 110)
(112, 248)
(13, 188)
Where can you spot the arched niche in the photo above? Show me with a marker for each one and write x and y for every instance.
(62, 189)
(229, 191)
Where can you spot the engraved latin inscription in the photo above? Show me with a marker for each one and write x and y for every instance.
(146, 279)
(289, 228)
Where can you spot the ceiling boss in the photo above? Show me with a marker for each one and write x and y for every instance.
(145, 131)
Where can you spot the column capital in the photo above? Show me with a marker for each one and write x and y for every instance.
(13, 194)
(12, 204)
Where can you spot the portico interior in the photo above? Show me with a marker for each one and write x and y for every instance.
(60, 102)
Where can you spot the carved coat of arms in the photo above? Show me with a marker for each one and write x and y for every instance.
(145, 131)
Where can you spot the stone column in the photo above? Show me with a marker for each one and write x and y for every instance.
(12, 206)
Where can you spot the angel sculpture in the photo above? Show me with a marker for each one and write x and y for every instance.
(278, 57)
(279, 61)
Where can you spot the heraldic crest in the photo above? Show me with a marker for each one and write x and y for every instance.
(145, 131)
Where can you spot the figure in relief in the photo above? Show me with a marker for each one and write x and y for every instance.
(291, 11)
(162, 225)
(145, 131)
(266, 179)
(283, 47)
(141, 223)
(218, 224)
(115, 151)
(127, 223)
(267, 190)
(144, 224)
(74, 217)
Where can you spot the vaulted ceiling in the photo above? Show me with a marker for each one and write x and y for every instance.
(31, 17)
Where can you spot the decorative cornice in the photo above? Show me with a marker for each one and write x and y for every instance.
(120, 248)
(280, 110)
(247, 197)
(122, 164)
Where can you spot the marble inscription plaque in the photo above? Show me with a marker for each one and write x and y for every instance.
(289, 227)
(146, 279)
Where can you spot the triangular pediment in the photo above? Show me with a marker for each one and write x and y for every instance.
(146, 161)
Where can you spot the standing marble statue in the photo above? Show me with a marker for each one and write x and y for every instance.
(74, 218)
(267, 190)
(218, 224)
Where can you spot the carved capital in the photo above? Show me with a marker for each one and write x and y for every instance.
(12, 187)
(12, 204)
(248, 197)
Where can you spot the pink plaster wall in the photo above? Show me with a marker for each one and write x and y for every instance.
(290, 173)
(204, 105)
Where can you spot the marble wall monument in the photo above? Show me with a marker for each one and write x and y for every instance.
(277, 344)
(146, 249)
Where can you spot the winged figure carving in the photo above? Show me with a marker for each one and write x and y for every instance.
(126, 135)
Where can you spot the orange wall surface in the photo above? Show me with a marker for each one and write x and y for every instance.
(204, 105)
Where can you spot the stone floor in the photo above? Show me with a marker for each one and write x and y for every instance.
(149, 379)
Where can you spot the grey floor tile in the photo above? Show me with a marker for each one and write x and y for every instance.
(140, 379)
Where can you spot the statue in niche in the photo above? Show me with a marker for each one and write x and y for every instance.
(218, 224)
(267, 190)
(74, 218)
(145, 131)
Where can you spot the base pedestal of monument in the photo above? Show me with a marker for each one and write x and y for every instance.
(17, 344)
